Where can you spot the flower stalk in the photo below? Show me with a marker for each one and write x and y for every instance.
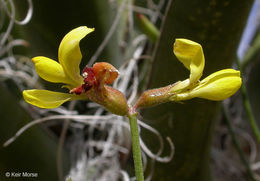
(136, 146)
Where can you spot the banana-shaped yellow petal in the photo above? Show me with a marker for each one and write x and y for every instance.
(191, 55)
(51, 70)
(70, 54)
(48, 99)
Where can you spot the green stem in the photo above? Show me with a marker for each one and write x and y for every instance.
(237, 146)
(136, 147)
(250, 113)
(247, 106)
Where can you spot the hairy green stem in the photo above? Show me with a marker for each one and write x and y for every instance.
(237, 146)
(247, 106)
(136, 147)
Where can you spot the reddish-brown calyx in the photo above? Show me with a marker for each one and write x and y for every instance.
(95, 80)
(101, 73)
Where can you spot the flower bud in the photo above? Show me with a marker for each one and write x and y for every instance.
(148, 28)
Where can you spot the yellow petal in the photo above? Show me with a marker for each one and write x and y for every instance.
(220, 74)
(70, 54)
(220, 89)
(46, 99)
(191, 55)
(51, 70)
(217, 86)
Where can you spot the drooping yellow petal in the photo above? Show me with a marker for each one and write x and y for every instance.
(191, 55)
(47, 99)
(51, 70)
(220, 74)
(219, 90)
(70, 54)
(217, 86)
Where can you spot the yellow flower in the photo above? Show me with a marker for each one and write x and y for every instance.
(217, 86)
(90, 85)
(66, 71)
